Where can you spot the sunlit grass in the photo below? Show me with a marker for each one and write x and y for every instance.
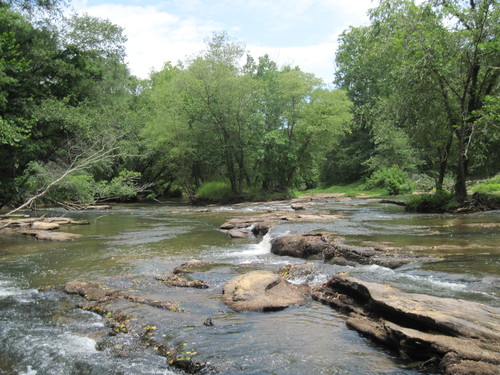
(491, 186)
(351, 190)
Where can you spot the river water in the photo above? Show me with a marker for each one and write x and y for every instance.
(42, 332)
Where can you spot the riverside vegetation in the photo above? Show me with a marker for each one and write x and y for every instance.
(415, 105)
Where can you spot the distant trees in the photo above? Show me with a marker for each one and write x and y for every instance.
(255, 126)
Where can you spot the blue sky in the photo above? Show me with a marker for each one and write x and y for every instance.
(295, 32)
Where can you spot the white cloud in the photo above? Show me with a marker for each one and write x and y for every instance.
(317, 59)
(156, 36)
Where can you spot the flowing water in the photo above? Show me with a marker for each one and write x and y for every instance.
(44, 333)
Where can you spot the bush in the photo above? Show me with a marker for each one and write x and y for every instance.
(432, 203)
(215, 191)
(393, 179)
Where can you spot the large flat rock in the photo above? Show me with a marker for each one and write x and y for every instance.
(457, 333)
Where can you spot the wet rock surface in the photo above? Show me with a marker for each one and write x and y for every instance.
(462, 336)
(43, 228)
(262, 291)
(276, 218)
(331, 249)
(149, 312)
(308, 246)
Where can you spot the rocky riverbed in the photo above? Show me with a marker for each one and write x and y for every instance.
(297, 293)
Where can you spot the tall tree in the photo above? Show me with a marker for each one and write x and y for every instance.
(435, 65)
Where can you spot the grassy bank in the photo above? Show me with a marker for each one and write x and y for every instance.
(356, 189)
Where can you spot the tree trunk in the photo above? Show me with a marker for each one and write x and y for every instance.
(443, 163)
(460, 182)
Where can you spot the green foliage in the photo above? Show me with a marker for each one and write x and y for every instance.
(394, 179)
(121, 188)
(489, 186)
(215, 191)
(432, 203)
(421, 79)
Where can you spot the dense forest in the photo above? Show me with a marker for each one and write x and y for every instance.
(416, 104)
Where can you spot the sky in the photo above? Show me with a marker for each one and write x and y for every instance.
(300, 33)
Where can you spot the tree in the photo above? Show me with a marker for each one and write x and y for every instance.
(434, 65)
(58, 90)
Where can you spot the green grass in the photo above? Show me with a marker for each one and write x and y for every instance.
(350, 190)
(491, 186)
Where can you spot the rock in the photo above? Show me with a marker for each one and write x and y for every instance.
(332, 250)
(262, 291)
(343, 254)
(298, 207)
(182, 282)
(294, 271)
(43, 225)
(98, 207)
(237, 233)
(51, 236)
(191, 266)
(90, 291)
(277, 217)
(462, 335)
(262, 228)
(309, 246)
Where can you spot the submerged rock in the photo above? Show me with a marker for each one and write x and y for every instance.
(262, 291)
(461, 335)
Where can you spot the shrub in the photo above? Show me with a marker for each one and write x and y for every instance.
(215, 191)
(393, 179)
(427, 203)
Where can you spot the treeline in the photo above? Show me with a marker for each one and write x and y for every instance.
(416, 99)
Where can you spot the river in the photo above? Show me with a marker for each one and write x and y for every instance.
(43, 332)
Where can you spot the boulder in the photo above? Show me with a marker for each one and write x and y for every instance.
(460, 334)
(325, 246)
(308, 246)
(262, 291)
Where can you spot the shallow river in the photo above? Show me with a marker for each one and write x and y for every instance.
(44, 333)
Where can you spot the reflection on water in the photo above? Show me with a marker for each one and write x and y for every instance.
(43, 333)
